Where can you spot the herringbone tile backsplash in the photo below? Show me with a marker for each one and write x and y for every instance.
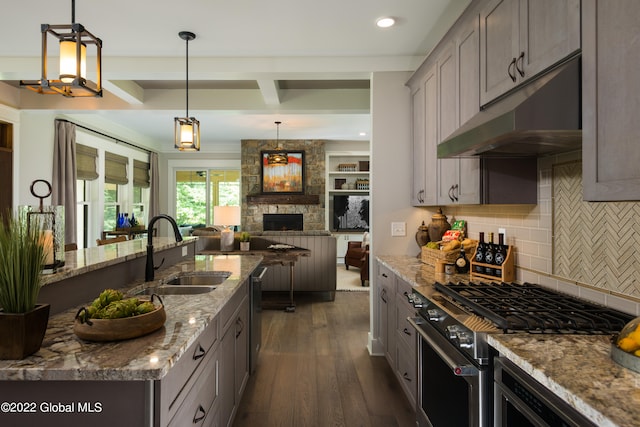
(594, 243)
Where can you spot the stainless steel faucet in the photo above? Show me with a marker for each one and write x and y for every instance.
(150, 268)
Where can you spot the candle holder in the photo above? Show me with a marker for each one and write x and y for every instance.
(50, 221)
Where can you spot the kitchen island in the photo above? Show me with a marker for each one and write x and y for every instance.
(576, 368)
(155, 379)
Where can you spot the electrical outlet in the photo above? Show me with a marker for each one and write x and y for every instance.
(398, 229)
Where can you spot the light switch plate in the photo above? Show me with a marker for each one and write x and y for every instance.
(398, 229)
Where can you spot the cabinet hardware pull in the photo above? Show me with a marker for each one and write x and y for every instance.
(384, 275)
(382, 295)
(406, 376)
(197, 417)
(406, 331)
(241, 324)
(450, 193)
(512, 64)
(455, 192)
(199, 353)
(521, 67)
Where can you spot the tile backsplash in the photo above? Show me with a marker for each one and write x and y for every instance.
(583, 248)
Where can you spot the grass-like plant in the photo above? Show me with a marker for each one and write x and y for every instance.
(245, 237)
(21, 260)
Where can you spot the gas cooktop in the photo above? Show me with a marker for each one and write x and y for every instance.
(532, 308)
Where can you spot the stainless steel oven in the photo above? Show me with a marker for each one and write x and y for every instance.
(452, 389)
(455, 363)
(521, 401)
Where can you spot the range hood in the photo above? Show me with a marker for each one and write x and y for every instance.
(541, 118)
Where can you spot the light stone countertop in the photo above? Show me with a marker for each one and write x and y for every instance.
(64, 356)
(91, 259)
(577, 368)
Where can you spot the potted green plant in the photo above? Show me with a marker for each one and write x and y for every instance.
(245, 239)
(23, 322)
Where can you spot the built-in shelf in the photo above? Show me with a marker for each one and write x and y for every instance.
(284, 199)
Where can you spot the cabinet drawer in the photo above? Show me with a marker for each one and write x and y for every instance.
(180, 377)
(403, 289)
(197, 407)
(227, 313)
(407, 371)
(404, 330)
(386, 277)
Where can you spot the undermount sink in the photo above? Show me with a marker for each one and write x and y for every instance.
(209, 279)
(176, 290)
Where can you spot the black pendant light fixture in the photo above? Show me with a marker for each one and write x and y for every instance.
(280, 157)
(73, 39)
(187, 129)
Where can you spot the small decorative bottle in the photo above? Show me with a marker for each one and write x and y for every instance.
(480, 254)
(488, 256)
(462, 263)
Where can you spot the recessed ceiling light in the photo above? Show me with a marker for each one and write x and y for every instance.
(363, 134)
(385, 22)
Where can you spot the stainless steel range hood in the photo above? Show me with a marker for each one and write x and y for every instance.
(542, 118)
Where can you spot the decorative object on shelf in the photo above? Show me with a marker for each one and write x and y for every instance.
(422, 235)
(226, 216)
(48, 221)
(438, 226)
(187, 129)
(278, 156)
(23, 322)
(74, 39)
(283, 178)
(347, 167)
(363, 165)
(339, 182)
(362, 184)
(245, 241)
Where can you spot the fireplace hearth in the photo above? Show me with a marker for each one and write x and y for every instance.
(282, 222)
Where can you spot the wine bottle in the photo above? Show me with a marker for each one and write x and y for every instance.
(462, 263)
(501, 251)
(488, 256)
(480, 254)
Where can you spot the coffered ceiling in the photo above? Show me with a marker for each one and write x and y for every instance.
(305, 63)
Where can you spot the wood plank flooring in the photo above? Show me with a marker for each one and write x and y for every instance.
(314, 370)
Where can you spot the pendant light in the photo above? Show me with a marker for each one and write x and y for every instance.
(187, 129)
(279, 157)
(73, 40)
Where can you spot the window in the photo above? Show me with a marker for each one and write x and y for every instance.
(83, 212)
(111, 206)
(197, 191)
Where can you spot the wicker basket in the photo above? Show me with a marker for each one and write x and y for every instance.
(432, 256)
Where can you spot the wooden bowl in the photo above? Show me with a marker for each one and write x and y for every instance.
(120, 329)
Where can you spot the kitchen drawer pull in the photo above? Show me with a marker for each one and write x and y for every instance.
(199, 353)
(240, 323)
(407, 331)
(200, 414)
(383, 293)
(520, 68)
(512, 64)
(406, 376)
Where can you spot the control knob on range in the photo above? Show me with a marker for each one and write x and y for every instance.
(415, 300)
(461, 336)
(435, 315)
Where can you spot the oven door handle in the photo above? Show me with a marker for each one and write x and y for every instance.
(459, 367)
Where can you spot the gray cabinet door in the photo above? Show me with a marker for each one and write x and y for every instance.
(610, 100)
(447, 123)
(521, 38)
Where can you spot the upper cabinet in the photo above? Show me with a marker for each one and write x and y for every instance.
(521, 38)
(610, 100)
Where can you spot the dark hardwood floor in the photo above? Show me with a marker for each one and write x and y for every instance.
(314, 370)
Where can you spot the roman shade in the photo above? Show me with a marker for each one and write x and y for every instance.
(140, 174)
(86, 168)
(115, 169)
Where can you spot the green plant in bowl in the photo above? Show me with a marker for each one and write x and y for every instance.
(245, 236)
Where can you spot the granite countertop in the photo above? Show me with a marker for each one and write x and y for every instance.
(64, 356)
(577, 368)
(84, 260)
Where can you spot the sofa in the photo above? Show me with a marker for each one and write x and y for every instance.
(315, 273)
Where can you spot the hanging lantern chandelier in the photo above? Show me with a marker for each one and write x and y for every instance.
(280, 157)
(187, 129)
(73, 40)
